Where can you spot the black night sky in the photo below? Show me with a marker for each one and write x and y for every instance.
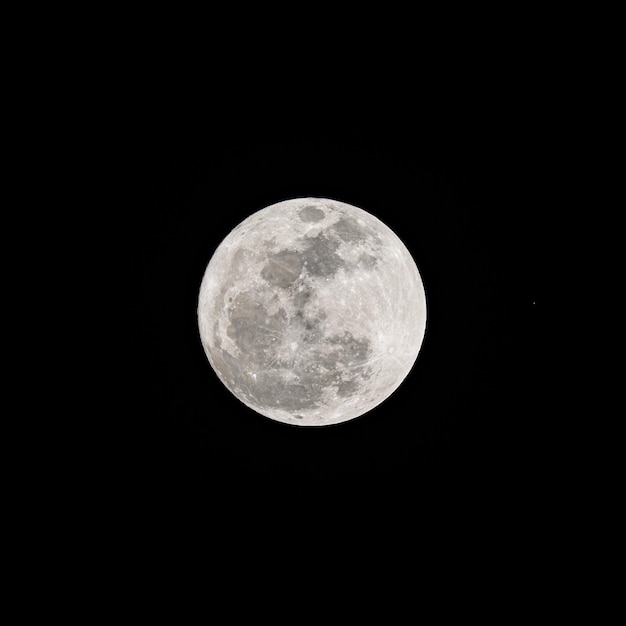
(463, 187)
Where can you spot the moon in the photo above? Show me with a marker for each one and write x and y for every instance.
(312, 311)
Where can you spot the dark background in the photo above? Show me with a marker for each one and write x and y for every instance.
(464, 185)
(461, 145)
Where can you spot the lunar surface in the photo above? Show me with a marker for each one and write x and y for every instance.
(312, 311)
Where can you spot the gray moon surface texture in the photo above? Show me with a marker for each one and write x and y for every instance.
(312, 311)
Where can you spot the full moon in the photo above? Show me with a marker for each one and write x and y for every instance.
(312, 311)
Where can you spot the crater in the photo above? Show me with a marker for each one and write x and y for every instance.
(311, 214)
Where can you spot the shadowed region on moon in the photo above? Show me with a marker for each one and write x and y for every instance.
(305, 312)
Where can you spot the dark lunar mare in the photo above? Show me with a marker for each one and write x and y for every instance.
(348, 230)
(293, 382)
(264, 373)
(320, 256)
(282, 269)
(311, 214)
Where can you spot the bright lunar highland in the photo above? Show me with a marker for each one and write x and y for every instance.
(312, 311)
